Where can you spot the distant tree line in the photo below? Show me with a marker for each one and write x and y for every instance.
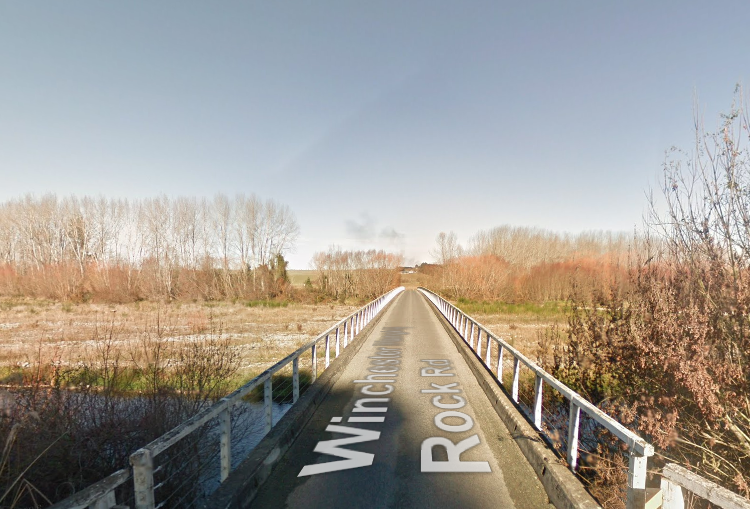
(530, 264)
(118, 249)
(360, 274)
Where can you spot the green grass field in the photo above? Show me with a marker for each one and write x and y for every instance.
(555, 309)
(298, 277)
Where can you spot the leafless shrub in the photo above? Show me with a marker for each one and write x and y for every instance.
(58, 439)
(669, 355)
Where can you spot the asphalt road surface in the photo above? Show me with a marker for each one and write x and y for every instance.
(405, 426)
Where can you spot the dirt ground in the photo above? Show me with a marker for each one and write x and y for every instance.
(33, 330)
(521, 331)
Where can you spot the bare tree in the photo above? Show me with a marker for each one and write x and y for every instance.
(162, 246)
(447, 248)
(276, 233)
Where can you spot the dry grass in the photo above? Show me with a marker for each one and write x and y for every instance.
(521, 328)
(34, 331)
(297, 278)
(414, 280)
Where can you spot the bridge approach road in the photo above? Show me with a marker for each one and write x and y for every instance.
(406, 425)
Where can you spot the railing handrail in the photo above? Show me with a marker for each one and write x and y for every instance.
(676, 478)
(623, 433)
(639, 449)
(173, 436)
(96, 491)
(101, 493)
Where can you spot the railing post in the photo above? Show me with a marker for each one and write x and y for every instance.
(636, 481)
(574, 422)
(295, 375)
(225, 442)
(356, 327)
(346, 335)
(500, 363)
(478, 349)
(314, 362)
(328, 348)
(466, 327)
(538, 402)
(516, 373)
(488, 355)
(338, 330)
(143, 478)
(672, 495)
(471, 334)
(267, 403)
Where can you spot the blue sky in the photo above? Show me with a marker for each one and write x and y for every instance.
(379, 123)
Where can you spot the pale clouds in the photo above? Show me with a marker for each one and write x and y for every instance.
(365, 230)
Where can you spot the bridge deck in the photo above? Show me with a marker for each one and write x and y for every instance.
(399, 475)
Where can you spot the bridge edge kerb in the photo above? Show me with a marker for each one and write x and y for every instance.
(243, 483)
(564, 490)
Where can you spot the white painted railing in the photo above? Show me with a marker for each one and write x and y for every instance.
(638, 449)
(676, 481)
(101, 495)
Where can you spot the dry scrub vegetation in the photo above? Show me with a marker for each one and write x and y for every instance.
(120, 319)
(656, 329)
(87, 384)
(52, 333)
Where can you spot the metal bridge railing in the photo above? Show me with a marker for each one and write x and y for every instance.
(101, 495)
(472, 333)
